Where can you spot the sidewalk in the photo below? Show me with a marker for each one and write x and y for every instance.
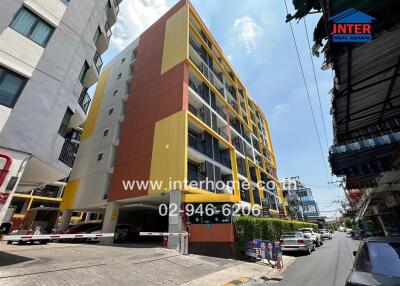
(242, 272)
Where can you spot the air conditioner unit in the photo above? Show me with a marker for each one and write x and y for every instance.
(202, 168)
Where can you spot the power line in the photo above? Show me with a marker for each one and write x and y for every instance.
(309, 99)
(316, 84)
(317, 88)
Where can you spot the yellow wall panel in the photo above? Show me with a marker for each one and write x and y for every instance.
(69, 195)
(97, 100)
(169, 156)
(176, 39)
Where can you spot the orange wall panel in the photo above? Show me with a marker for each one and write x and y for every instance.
(216, 233)
(153, 97)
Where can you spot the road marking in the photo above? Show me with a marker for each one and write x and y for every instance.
(237, 281)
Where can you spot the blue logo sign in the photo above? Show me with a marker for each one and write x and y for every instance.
(351, 26)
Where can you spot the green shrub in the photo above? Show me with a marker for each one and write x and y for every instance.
(249, 228)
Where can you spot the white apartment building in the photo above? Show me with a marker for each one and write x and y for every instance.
(50, 55)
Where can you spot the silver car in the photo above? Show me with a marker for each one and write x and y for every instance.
(297, 241)
(325, 234)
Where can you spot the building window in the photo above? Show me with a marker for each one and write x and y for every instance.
(105, 133)
(119, 75)
(115, 92)
(122, 61)
(97, 35)
(110, 111)
(32, 27)
(83, 72)
(11, 86)
(65, 122)
(100, 156)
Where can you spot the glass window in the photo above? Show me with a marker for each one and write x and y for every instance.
(11, 85)
(110, 111)
(100, 156)
(380, 258)
(65, 122)
(83, 72)
(32, 27)
(97, 35)
(105, 133)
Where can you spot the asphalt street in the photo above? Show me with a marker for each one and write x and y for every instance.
(329, 265)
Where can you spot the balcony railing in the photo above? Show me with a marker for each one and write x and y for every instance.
(195, 144)
(195, 177)
(84, 100)
(116, 7)
(198, 89)
(220, 112)
(223, 134)
(226, 161)
(68, 151)
(98, 61)
(107, 28)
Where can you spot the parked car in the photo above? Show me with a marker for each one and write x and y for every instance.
(325, 234)
(123, 233)
(377, 262)
(349, 230)
(315, 237)
(81, 229)
(297, 241)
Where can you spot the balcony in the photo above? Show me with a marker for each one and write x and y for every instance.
(112, 9)
(225, 160)
(195, 143)
(107, 29)
(196, 177)
(223, 134)
(220, 112)
(197, 88)
(98, 61)
(84, 100)
(68, 151)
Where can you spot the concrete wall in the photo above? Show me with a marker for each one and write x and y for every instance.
(93, 175)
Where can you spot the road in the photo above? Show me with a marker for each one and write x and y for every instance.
(329, 265)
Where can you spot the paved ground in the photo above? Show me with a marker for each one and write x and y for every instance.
(329, 265)
(88, 264)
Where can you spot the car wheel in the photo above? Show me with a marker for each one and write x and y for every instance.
(9, 242)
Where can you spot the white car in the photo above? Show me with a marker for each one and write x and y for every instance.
(314, 236)
(348, 230)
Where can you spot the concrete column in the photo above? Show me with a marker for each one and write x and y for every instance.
(65, 220)
(110, 222)
(175, 223)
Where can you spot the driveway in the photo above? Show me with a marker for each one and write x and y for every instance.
(91, 264)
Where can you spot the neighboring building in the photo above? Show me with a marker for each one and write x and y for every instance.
(49, 57)
(299, 199)
(171, 108)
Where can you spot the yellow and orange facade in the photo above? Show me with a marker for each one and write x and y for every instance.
(170, 107)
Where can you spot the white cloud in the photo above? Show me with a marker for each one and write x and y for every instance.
(248, 32)
(278, 110)
(134, 17)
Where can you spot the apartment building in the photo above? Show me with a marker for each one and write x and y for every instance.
(170, 108)
(299, 200)
(50, 55)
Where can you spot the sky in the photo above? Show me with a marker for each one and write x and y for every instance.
(257, 41)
